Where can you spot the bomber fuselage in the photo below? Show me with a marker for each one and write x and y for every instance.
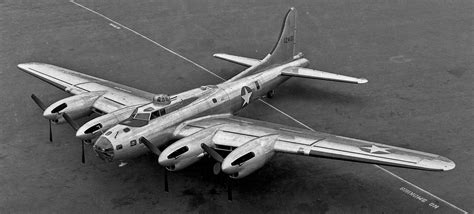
(121, 141)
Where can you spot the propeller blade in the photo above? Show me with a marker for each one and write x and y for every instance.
(71, 121)
(212, 153)
(43, 107)
(216, 169)
(166, 179)
(50, 132)
(229, 189)
(150, 146)
(38, 102)
(83, 155)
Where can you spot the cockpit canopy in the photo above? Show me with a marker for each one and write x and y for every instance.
(161, 99)
(142, 115)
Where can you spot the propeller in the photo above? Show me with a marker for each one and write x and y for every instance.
(75, 127)
(215, 155)
(217, 167)
(43, 107)
(157, 152)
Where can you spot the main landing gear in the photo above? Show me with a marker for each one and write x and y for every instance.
(270, 94)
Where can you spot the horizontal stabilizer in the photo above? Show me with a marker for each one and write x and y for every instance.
(245, 61)
(315, 74)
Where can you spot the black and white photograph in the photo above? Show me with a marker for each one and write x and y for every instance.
(224, 106)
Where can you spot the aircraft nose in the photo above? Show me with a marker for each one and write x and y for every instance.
(104, 149)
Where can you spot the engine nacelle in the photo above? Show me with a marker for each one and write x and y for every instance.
(76, 106)
(99, 125)
(186, 151)
(249, 157)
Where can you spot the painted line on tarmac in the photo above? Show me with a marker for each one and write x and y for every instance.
(268, 104)
(114, 26)
(419, 188)
(145, 37)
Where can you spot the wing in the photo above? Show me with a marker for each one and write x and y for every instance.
(315, 74)
(245, 61)
(236, 131)
(117, 96)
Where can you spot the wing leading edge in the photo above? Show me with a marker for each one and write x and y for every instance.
(236, 131)
(116, 96)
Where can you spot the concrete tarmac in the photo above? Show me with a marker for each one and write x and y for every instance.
(417, 55)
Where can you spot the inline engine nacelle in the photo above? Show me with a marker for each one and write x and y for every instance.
(99, 125)
(186, 151)
(249, 157)
(76, 106)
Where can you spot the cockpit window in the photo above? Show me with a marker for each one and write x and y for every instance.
(142, 116)
(158, 113)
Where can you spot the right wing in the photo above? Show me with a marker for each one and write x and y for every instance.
(235, 131)
(117, 96)
(322, 75)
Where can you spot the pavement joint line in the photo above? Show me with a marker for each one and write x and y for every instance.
(266, 103)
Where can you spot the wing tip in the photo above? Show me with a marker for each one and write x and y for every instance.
(440, 163)
(362, 81)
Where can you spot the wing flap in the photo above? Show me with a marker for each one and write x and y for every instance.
(245, 61)
(315, 74)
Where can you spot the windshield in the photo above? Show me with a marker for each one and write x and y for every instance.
(137, 119)
(142, 116)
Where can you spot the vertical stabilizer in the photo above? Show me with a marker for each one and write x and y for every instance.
(284, 49)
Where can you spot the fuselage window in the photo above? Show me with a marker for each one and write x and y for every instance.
(133, 143)
(257, 85)
(214, 100)
(126, 129)
(118, 147)
(108, 133)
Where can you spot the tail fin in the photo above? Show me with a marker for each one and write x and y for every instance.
(284, 49)
(282, 52)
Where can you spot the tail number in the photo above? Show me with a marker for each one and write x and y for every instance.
(288, 39)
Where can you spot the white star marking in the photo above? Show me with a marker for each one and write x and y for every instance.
(246, 97)
(375, 148)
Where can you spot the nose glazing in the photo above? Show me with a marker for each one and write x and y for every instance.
(104, 149)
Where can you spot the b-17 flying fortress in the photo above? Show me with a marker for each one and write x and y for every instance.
(183, 128)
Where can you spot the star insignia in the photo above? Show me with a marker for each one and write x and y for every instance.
(375, 149)
(246, 93)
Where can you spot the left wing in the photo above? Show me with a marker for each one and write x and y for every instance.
(234, 132)
(117, 96)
